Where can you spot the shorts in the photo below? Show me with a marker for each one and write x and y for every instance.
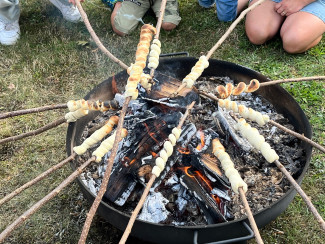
(226, 9)
(316, 8)
(131, 12)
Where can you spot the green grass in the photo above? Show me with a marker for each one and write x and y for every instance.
(55, 61)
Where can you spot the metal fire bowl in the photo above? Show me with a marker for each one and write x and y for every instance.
(231, 231)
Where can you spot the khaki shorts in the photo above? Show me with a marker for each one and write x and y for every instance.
(131, 12)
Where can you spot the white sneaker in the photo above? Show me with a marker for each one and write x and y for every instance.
(69, 11)
(9, 32)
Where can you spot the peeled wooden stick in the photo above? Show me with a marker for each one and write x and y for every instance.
(107, 174)
(273, 82)
(158, 26)
(37, 179)
(31, 110)
(44, 200)
(147, 189)
(281, 127)
(95, 37)
(34, 132)
(303, 195)
(250, 216)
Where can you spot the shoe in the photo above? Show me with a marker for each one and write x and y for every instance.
(9, 32)
(69, 11)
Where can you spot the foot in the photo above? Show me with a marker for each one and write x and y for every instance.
(69, 11)
(9, 32)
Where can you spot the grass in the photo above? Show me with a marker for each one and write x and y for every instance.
(55, 61)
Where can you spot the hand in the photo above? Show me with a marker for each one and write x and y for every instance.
(287, 7)
(74, 2)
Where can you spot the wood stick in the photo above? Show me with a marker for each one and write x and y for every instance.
(34, 132)
(37, 179)
(107, 174)
(273, 82)
(158, 26)
(95, 37)
(299, 136)
(232, 27)
(250, 216)
(32, 110)
(281, 127)
(148, 186)
(44, 200)
(307, 200)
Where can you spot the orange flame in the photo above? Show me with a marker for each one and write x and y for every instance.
(151, 134)
(201, 145)
(183, 150)
(154, 154)
(133, 160)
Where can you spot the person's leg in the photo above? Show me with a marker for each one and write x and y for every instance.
(262, 23)
(304, 29)
(9, 17)
(171, 17)
(68, 10)
(126, 15)
(227, 9)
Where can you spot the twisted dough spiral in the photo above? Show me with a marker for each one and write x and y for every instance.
(165, 153)
(257, 140)
(154, 54)
(107, 145)
(91, 105)
(97, 136)
(196, 71)
(228, 166)
(229, 89)
(75, 115)
(247, 113)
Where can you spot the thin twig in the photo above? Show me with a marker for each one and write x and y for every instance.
(37, 179)
(307, 200)
(95, 37)
(250, 216)
(232, 27)
(32, 110)
(273, 82)
(34, 132)
(107, 174)
(300, 136)
(158, 26)
(281, 127)
(44, 200)
(148, 186)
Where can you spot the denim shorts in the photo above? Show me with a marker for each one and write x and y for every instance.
(226, 9)
(316, 8)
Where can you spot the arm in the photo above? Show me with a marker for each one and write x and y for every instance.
(287, 7)
(74, 2)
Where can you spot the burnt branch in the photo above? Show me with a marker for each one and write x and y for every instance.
(148, 186)
(232, 27)
(273, 82)
(250, 216)
(44, 200)
(37, 179)
(307, 200)
(107, 174)
(34, 132)
(32, 110)
(95, 37)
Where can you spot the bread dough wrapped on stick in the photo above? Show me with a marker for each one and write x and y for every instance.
(154, 54)
(257, 140)
(136, 70)
(91, 105)
(196, 71)
(228, 166)
(107, 145)
(247, 113)
(75, 115)
(97, 136)
(165, 153)
(229, 89)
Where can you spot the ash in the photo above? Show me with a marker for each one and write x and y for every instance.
(171, 202)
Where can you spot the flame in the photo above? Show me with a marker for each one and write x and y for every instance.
(183, 150)
(201, 145)
(154, 154)
(185, 169)
(151, 134)
(204, 179)
(133, 160)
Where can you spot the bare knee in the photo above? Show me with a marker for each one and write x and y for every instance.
(116, 8)
(256, 35)
(167, 26)
(296, 42)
